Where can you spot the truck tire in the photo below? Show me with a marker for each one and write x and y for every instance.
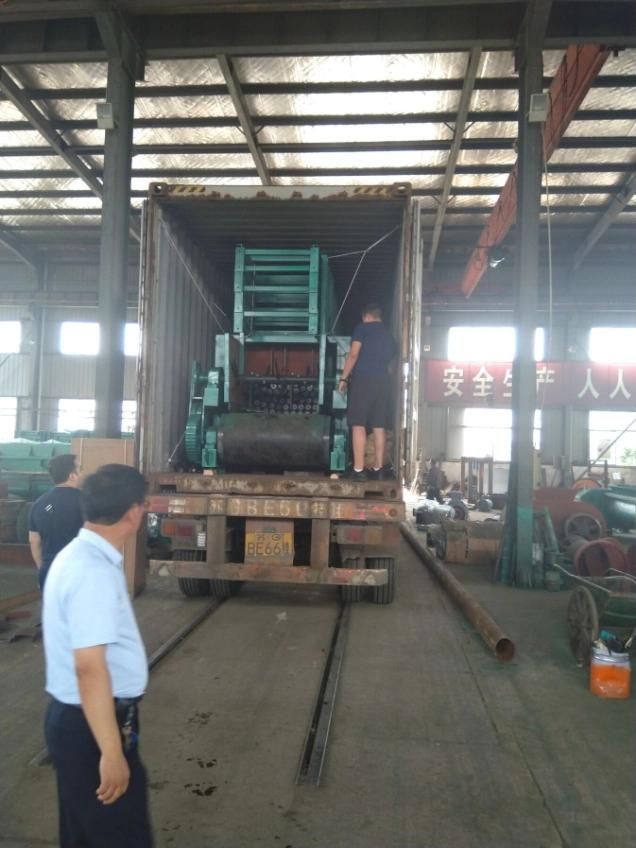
(235, 586)
(351, 594)
(383, 594)
(222, 589)
(192, 587)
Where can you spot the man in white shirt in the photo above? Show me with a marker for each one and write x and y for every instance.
(97, 672)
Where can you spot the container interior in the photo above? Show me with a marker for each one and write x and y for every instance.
(187, 284)
(336, 226)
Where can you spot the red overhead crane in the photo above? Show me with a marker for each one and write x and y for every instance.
(578, 70)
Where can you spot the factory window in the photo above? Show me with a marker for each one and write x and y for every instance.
(8, 418)
(613, 344)
(75, 414)
(604, 428)
(488, 344)
(79, 338)
(128, 416)
(488, 432)
(131, 340)
(10, 336)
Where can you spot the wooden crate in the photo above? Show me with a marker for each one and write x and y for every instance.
(91, 454)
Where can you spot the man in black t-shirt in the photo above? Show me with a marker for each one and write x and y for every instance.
(373, 349)
(56, 517)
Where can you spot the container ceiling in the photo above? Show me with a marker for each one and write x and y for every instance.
(342, 230)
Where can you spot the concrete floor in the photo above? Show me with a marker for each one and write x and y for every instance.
(434, 743)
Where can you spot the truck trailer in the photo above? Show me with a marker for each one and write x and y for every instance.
(248, 299)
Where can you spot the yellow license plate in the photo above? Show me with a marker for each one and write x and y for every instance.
(269, 544)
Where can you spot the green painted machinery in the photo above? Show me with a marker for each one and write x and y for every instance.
(270, 402)
(24, 466)
(617, 503)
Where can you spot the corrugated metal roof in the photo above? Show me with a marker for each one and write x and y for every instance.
(63, 74)
(379, 67)
(351, 133)
(183, 72)
(399, 103)
(328, 82)
(417, 182)
(578, 129)
(402, 159)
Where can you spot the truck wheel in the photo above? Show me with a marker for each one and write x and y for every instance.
(351, 594)
(383, 594)
(222, 589)
(192, 587)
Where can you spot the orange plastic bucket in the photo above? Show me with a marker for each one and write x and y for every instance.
(610, 675)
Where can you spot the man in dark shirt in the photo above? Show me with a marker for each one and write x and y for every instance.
(372, 351)
(435, 481)
(56, 517)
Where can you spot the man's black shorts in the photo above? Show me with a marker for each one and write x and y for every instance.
(367, 406)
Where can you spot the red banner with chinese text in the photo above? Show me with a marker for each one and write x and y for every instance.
(586, 385)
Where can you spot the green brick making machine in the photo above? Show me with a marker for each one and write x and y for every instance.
(270, 403)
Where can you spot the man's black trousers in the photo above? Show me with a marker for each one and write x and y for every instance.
(84, 821)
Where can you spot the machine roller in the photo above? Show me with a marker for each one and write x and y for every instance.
(270, 403)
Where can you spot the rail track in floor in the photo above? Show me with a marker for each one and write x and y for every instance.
(42, 758)
(314, 751)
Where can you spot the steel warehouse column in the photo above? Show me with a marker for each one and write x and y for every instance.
(526, 284)
(113, 270)
(39, 316)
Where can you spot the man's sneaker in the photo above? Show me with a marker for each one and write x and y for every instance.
(360, 476)
(374, 474)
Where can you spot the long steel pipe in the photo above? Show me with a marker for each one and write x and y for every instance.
(499, 643)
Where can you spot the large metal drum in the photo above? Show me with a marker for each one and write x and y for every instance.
(264, 442)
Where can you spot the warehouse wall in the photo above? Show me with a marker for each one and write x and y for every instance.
(62, 376)
(564, 432)
(72, 289)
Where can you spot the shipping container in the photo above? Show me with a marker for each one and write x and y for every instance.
(371, 237)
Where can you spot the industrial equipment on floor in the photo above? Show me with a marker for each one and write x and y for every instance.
(270, 403)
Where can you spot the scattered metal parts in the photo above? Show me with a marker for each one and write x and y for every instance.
(583, 525)
(596, 557)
